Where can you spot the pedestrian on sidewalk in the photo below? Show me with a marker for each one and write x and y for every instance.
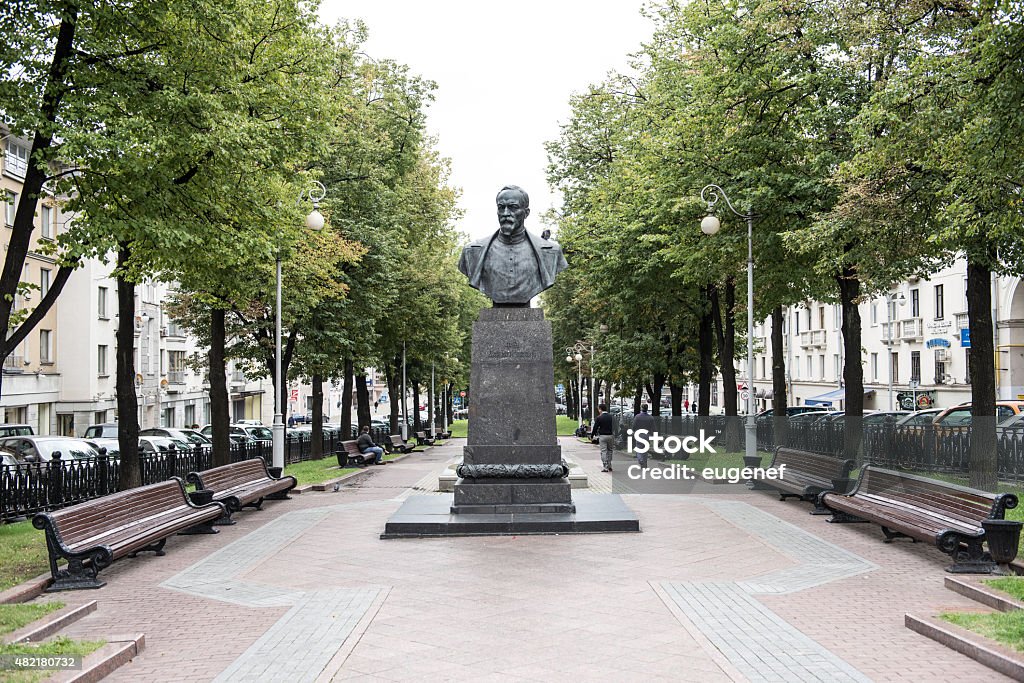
(366, 445)
(643, 421)
(604, 429)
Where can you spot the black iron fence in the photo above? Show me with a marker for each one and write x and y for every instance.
(27, 488)
(918, 448)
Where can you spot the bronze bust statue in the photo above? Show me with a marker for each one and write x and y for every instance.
(513, 265)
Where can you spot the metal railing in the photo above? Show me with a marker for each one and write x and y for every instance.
(27, 488)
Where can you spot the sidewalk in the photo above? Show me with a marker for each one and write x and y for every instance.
(715, 588)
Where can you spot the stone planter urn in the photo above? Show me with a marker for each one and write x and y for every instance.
(1002, 537)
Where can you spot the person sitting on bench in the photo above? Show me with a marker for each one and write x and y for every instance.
(366, 445)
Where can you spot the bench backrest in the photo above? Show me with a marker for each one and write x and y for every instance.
(226, 476)
(814, 464)
(86, 520)
(397, 440)
(351, 447)
(958, 502)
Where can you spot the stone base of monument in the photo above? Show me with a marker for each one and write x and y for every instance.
(426, 516)
(577, 476)
(500, 496)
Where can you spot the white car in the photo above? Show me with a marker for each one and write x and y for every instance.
(252, 423)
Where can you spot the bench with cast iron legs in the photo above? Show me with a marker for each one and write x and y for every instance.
(91, 535)
(400, 445)
(354, 457)
(423, 440)
(806, 475)
(947, 515)
(242, 484)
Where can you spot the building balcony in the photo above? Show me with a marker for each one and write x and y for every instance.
(912, 328)
(176, 377)
(14, 364)
(962, 321)
(890, 333)
(813, 338)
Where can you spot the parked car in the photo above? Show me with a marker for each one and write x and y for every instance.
(187, 436)
(250, 432)
(560, 409)
(106, 446)
(16, 430)
(254, 423)
(7, 458)
(920, 418)
(41, 448)
(162, 444)
(107, 430)
(810, 417)
(960, 416)
(461, 414)
(790, 411)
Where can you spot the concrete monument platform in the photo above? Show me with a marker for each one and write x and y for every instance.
(595, 513)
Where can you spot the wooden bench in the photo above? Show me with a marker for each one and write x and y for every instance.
(947, 515)
(398, 444)
(423, 440)
(353, 456)
(91, 535)
(807, 474)
(242, 484)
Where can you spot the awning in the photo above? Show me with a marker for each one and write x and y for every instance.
(831, 397)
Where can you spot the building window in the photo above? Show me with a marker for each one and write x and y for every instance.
(915, 303)
(807, 311)
(190, 415)
(837, 316)
(16, 159)
(44, 281)
(915, 366)
(796, 323)
(45, 349)
(821, 366)
(167, 417)
(65, 424)
(838, 367)
(101, 302)
(10, 207)
(810, 367)
(874, 312)
(714, 393)
(99, 417)
(874, 367)
(940, 369)
(940, 307)
(46, 222)
(894, 367)
(101, 359)
(176, 367)
(764, 375)
(821, 317)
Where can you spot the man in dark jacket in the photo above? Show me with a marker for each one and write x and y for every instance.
(604, 430)
(643, 421)
(366, 445)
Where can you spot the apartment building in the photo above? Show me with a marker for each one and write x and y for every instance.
(914, 337)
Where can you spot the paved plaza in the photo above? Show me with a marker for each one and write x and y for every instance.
(715, 588)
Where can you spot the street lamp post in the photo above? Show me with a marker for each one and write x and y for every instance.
(314, 221)
(575, 353)
(890, 303)
(709, 226)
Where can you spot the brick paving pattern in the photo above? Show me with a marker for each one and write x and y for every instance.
(589, 607)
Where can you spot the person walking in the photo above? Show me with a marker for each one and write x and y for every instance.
(604, 429)
(643, 421)
(366, 445)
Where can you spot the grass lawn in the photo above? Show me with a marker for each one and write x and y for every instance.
(564, 426)
(1012, 585)
(316, 471)
(56, 647)
(13, 617)
(22, 553)
(1005, 627)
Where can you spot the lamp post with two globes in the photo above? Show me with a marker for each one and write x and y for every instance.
(314, 221)
(709, 226)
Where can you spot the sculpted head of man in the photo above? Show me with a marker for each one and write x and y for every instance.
(513, 208)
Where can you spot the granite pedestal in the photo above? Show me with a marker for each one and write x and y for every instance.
(512, 479)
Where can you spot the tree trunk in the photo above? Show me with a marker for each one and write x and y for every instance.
(725, 336)
(417, 425)
(127, 404)
(780, 397)
(853, 371)
(362, 401)
(983, 463)
(220, 420)
(346, 402)
(654, 393)
(638, 398)
(677, 398)
(394, 393)
(316, 448)
(705, 349)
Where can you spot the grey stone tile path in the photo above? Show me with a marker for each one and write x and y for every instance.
(306, 590)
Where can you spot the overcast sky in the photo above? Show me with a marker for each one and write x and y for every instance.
(505, 73)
